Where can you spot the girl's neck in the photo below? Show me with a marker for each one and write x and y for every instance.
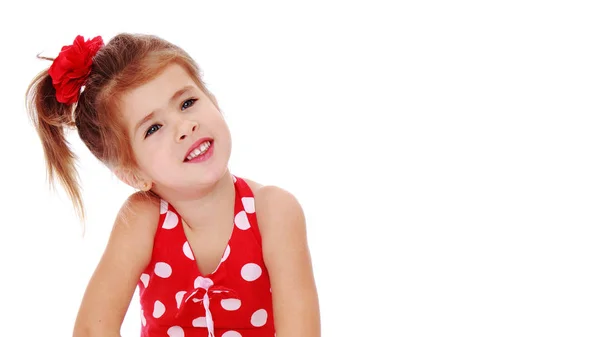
(213, 206)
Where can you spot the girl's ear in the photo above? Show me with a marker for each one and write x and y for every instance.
(129, 177)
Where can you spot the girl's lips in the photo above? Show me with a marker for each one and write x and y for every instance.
(196, 145)
(205, 156)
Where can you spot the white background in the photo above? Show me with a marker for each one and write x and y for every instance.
(446, 154)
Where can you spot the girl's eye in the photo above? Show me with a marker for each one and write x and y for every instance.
(152, 130)
(188, 103)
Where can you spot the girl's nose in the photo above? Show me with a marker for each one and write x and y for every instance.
(186, 129)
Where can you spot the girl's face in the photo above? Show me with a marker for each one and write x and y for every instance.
(179, 137)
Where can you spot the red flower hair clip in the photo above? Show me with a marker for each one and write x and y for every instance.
(72, 66)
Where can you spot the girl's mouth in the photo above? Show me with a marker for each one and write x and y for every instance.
(200, 151)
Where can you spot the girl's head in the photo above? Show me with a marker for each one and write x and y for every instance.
(141, 109)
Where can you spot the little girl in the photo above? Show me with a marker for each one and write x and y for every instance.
(212, 254)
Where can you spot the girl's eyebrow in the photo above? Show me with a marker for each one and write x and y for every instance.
(173, 98)
(143, 121)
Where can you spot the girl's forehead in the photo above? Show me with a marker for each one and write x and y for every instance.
(157, 93)
(161, 87)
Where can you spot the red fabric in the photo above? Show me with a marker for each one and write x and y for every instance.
(174, 295)
(72, 66)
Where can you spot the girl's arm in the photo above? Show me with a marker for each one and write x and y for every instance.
(287, 258)
(113, 283)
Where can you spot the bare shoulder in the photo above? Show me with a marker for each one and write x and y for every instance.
(139, 210)
(135, 227)
(127, 253)
(277, 201)
(274, 203)
(287, 257)
(254, 186)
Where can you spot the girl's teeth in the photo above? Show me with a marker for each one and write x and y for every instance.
(200, 150)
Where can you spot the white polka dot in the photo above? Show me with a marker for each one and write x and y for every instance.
(175, 331)
(231, 333)
(179, 297)
(248, 203)
(187, 250)
(145, 278)
(231, 304)
(259, 318)
(251, 271)
(159, 309)
(199, 322)
(162, 269)
(241, 220)
(143, 318)
(203, 282)
(226, 254)
(164, 206)
(171, 220)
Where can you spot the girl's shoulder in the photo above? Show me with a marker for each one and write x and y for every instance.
(254, 186)
(126, 255)
(271, 196)
(286, 255)
(276, 207)
(139, 212)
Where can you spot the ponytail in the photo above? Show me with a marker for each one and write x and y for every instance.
(50, 119)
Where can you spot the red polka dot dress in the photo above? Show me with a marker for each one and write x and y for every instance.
(232, 301)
